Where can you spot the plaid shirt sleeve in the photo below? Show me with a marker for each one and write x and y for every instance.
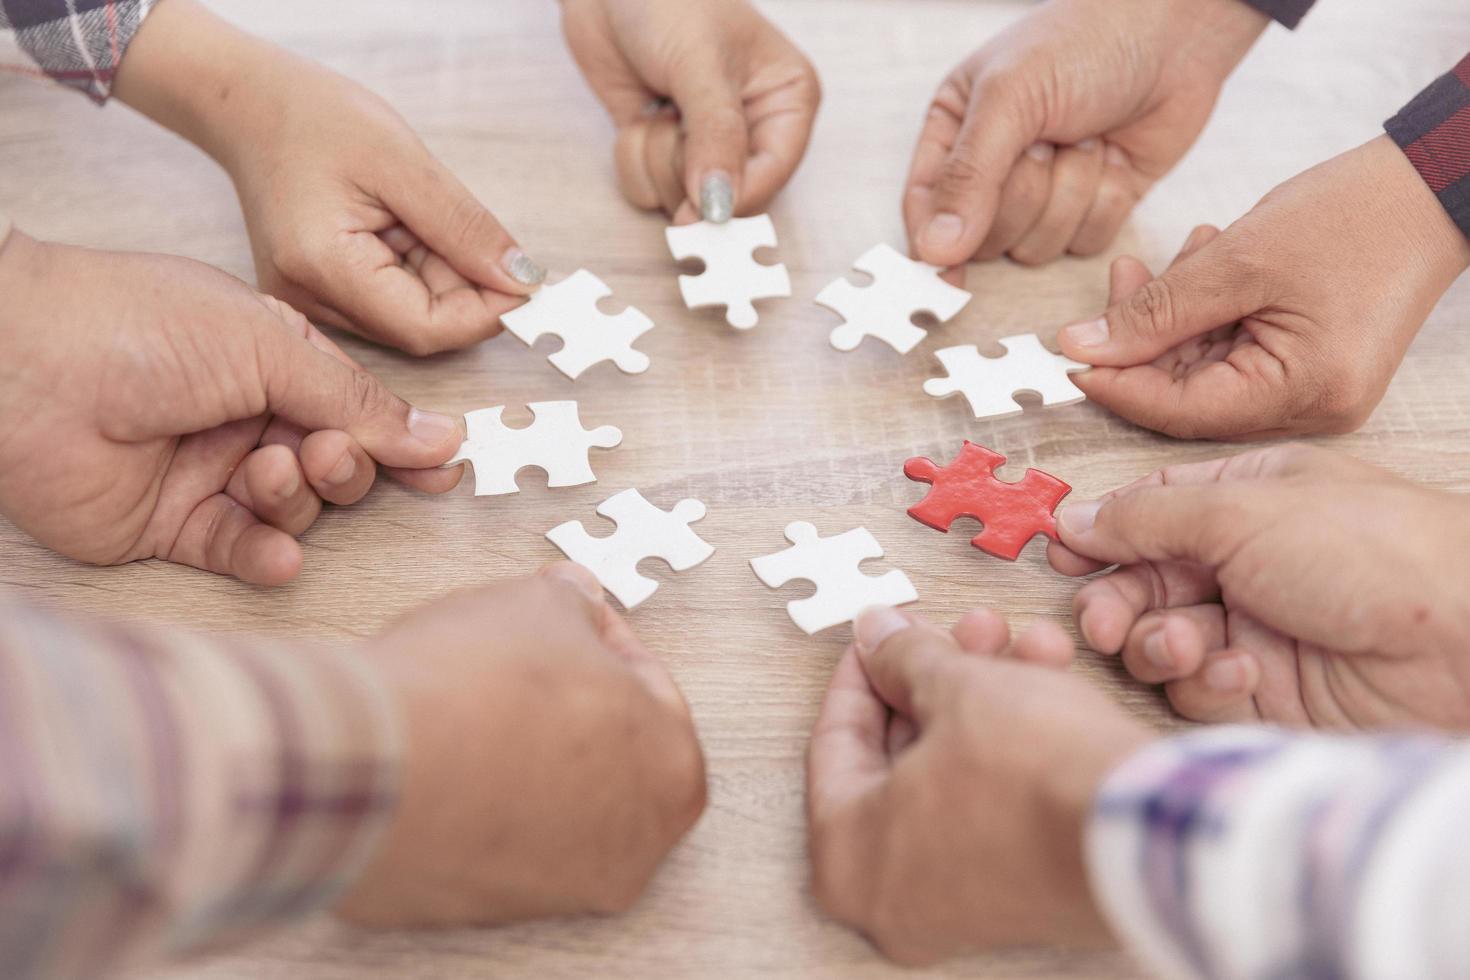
(1288, 12)
(1434, 133)
(163, 794)
(79, 43)
(1253, 853)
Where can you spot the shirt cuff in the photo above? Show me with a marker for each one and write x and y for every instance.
(78, 44)
(1288, 12)
(1434, 132)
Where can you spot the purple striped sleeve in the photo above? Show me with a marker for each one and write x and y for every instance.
(1434, 133)
(1288, 12)
(78, 43)
(164, 794)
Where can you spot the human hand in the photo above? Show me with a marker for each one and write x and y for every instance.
(712, 103)
(1291, 585)
(1042, 141)
(152, 406)
(1291, 321)
(351, 219)
(949, 779)
(551, 765)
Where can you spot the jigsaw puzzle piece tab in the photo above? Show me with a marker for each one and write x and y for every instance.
(554, 442)
(568, 309)
(643, 531)
(832, 564)
(885, 309)
(1012, 513)
(732, 278)
(989, 384)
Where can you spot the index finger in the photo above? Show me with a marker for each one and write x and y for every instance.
(778, 141)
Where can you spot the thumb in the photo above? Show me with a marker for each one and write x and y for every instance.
(901, 656)
(1203, 523)
(997, 129)
(1209, 289)
(440, 210)
(306, 384)
(716, 140)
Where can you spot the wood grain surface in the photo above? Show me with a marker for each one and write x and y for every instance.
(765, 427)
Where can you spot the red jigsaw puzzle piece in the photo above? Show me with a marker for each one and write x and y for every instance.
(1013, 513)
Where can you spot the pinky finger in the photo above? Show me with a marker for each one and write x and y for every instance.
(1223, 692)
(1046, 645)
(224, 537)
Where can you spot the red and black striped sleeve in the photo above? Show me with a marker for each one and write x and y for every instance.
(1434, 133)
(1288, 12)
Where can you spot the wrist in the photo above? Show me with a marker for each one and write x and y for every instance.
(1443, 249)
(199, 76)
(1216, 33)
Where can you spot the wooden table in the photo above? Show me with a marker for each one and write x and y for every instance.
(766, 428)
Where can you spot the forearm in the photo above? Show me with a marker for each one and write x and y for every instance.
(167, 793)
(1254, 853)
(1434, 132)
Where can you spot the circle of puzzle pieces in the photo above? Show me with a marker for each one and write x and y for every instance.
(554, 442)
(732, 278)
(832, 564)
(644, 531)
(1013, 513)
(990, 383)
(901, 287)
(589, 336)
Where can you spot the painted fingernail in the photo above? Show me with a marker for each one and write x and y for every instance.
(1078, 518)
(717, 198)
(1156, 651)
(431, 428)
(576, 575)
(342, 471)
(1093, 333)
(523, 269)
(943, 230)
(1225, 675)
(876, 624)
(1041, 152)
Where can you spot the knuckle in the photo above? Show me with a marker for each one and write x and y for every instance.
(1151, 310)
(961, 176)
(470, 225)
(365, 396)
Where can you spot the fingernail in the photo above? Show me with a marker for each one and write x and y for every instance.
(1041, 152)
(523, 269)
(1093, 333)
(943, 230)
(431, 428)
(1087, 145)
(1225, 675)
(876, 624)
(1116, 156)
(342, 471)
(1156, 651)
(717, 198)
(1078, 518)
(580, 577)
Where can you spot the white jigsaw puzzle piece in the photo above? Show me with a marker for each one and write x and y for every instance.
(644, 531)
(589, 336)
(901, 287)
(832, 564)
(989, 383)
(732, 278)
(555, 442)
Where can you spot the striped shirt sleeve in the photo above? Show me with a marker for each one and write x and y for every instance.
(1288, 12)
(1255, 854)
(1434, 133)
(78, 43)
(164, 794)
